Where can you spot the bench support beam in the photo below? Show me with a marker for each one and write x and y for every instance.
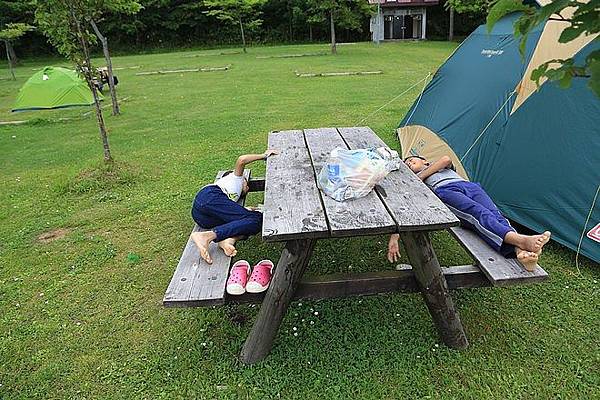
(256, 184)
(434, 289)
(342, 285)
(290, 268)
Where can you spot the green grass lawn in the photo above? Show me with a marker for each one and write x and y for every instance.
(81, 315)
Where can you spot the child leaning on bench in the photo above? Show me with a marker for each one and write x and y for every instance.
(475, 210)
(216, 210)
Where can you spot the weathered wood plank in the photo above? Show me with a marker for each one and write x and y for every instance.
(292, 206)
(294, 55)
(500, 271)
(325, 74)
(195, 281)
(290, 268)
(180, 71)
(434, 289)
(364, 216)
(412, 205)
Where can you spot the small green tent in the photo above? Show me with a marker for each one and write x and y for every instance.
(54, 87)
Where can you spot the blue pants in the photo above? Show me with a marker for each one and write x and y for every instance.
(471, 204)
(213, 210)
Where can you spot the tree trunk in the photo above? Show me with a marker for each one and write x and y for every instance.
(89, 77)
(10, 61)
(332, 27)
(100, 118)
(310, 32)
(13, 55)
(243, 36)
(291, 22)
(111, 79)
(451, 30)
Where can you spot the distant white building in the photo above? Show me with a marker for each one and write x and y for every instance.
(400, 19)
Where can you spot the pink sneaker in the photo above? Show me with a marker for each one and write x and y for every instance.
(236, 284)
(261, 277)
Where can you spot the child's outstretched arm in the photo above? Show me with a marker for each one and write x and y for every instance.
(442, 163)
(246, 159)
(393, 254)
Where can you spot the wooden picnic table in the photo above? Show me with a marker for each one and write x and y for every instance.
(296, 212)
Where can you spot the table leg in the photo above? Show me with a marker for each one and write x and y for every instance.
(290, 268)
(434, 288)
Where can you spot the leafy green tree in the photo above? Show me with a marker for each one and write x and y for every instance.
(242, 12)
(66, 24)
(347, 14)
(158, 22)
(10, 34)
(474, 7)
(14, 12)
(468, 6)
(287, 17)
(580, 18)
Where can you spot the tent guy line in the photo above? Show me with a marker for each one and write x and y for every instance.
(487, 126)
(419, 99)
(395, 98)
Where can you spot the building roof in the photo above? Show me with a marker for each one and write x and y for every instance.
(405, 3)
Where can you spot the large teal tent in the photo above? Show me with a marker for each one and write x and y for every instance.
(536, 152)
(54, 87)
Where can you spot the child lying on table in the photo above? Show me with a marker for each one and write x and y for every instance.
(476, 211)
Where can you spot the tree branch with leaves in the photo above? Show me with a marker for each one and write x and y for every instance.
(65, 24)
(97, 9)
(346, 14)
(10, 34)
(580, 19)
(245, 13)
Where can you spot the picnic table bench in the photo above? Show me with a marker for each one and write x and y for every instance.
(296, 212)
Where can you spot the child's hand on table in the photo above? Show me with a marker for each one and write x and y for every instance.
(271, 152)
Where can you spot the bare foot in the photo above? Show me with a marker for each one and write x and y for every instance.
(527, 259)
(228, 246)
(202, 240)
(535, 243)
(545, 239)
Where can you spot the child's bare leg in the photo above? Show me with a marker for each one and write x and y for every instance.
(526, 258)
(202, 240)
(228, 246)
(532, 243)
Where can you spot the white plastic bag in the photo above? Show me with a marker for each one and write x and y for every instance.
(350, 174)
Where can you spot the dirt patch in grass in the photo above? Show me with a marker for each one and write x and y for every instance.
(51, 236)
